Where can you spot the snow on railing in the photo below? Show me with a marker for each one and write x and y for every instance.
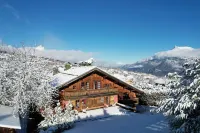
(89, 92)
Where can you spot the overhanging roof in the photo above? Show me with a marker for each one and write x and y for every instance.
(103, 72)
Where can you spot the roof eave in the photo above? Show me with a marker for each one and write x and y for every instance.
(97, 69)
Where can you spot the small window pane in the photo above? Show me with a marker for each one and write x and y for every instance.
(94, 85)
(98, 85)
(74, 87)
(102, 100)
(87, 85)
(82, 85)
(77, 104)
(84, 103)
(106, 85)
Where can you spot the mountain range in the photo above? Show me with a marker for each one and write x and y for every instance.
(159, 64)
(164, 62)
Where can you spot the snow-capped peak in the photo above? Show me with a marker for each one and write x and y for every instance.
(183, 48)
(165, 61)
(184, 51)
(39, 48)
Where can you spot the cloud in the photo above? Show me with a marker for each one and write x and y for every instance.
(182, 51)
(120, 63)
(39, 48)
(73, 56)
(14, 12)
(103, 63)
(70, 55)
(63, 55)
(50, 40)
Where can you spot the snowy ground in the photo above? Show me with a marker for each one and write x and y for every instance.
(118, 120)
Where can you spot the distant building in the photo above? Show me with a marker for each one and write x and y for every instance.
(161, 81)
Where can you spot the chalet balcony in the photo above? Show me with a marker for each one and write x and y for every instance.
(88, 93)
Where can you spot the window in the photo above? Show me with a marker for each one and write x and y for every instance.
(74, 87)
(84, 103)
(77, 104)
(107, 100)
(102, 100)
(97, 85)
(106, 85)
(82, 85)
(87, 85)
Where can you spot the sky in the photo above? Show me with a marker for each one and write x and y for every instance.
(122, 31)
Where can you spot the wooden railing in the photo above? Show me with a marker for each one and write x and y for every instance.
(89, 92)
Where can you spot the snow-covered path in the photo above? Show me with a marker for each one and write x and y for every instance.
(123, 123)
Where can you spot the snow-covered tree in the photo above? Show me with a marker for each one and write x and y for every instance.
(57, 119)
(183, 104)
(24, 80)
(88, 62)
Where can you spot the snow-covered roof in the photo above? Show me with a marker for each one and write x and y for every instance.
(76, 71)
(66, 76)
(90, 61)
(160, 81)
(72, 73)
(7, 119)
(120, 76)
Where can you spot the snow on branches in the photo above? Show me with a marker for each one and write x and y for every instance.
(24, 80)
(183, 103)
(57, 119)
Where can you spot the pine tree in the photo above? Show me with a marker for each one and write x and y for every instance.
(183, 103)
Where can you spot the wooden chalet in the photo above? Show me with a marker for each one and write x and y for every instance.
(91, 87)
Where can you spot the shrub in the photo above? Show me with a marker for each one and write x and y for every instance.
(57, 120)
(67, 66)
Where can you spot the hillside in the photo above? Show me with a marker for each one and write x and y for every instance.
(164, 62)
(145, 82)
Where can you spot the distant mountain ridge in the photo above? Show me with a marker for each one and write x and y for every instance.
(164, 62)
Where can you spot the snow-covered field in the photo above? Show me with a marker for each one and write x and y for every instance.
(118, 120)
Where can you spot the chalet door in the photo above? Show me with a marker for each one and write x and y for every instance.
(107, 101)
(7, 130)
(94, 102)
(77, 105)
(90, 102)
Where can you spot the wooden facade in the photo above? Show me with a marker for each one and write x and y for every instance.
(7, 130)
(97, 89)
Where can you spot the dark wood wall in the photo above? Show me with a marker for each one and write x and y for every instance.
(125, 95)
(90, 79)
(105, 81)
(7, 130)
